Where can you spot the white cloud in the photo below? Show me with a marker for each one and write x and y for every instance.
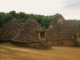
(45, 7)
(71, 9)
(31, 6)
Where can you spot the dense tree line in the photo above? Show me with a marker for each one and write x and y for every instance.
(22, 17)
(78, 24)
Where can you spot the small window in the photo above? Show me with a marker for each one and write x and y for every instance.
(42, 35)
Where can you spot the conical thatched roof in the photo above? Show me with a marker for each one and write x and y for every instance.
(9, 31)
(28, 32)
(29, 35)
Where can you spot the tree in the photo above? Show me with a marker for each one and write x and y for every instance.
(13, 13)
(2, 15)
(44, 21)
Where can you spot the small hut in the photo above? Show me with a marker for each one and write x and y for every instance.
(32, 35)
(62, 33)
(9, 31)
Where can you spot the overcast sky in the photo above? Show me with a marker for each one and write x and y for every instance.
(70, 9)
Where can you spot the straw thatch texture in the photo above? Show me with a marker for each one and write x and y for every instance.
(61, 32)
(9, 31)
(28, 34)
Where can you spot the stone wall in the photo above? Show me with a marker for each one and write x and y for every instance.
(37, 45)
(63, 43)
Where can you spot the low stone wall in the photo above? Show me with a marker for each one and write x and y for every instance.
(63, 43)
(68, 43)
(37, 45)
(56, 43)
(5, 41)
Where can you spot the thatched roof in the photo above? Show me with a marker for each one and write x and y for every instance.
(41, 30)
(62, 31)
(70, 26)
(28, 32)
(9, 31)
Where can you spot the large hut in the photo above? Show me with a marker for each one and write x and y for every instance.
(62, 33)
(9, 31)
(32, 35)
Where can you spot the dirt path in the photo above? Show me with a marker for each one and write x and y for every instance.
(57, 53)
(22, 49)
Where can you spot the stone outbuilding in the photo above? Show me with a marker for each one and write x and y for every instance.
(62, 33)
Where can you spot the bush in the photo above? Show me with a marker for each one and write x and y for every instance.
(78, 43)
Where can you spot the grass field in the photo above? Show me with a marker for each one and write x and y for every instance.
(12, 52)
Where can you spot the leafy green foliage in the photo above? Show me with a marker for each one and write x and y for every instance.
(13, 13)
(22, 17)
(78, 44)
(78, 24)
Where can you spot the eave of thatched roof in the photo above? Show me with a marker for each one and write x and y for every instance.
(40, 30)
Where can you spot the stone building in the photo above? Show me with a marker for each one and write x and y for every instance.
(62, 33)
(32, 35)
